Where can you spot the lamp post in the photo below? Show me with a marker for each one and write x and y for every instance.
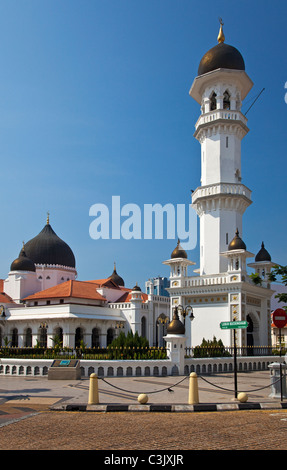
(185, 311)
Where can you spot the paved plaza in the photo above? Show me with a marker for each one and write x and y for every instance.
(36, 414)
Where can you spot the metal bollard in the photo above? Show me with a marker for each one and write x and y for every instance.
(193, 398)
(93, 390)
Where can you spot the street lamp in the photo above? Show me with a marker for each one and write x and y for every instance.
(184, 312)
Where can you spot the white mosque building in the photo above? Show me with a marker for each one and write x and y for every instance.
(42, 297)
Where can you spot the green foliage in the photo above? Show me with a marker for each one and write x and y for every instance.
(133, 346)
(129, 341)
(211, 348)
(281, 272)
(256, 278)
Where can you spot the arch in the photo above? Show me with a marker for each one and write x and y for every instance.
(213, 101)
(120, 372)
(226, 100)
(43, 337)
(95, 338)
(110, 335)
(14, 339)
(58, 332)
(79, 336)
(147, 371)
(28, 338)
(143, 326)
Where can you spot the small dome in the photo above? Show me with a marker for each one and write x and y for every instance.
(262, 254)
(221, 56)
(237, 243)
(178, 252)
(175, 327)
(22, 263)
(136, 288)
(116, 278)
(48, 248)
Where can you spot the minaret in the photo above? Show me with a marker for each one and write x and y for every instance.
(220, 201)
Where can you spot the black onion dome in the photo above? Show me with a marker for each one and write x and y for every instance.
(221, 56)
(237, 243)
(22, 263)
(116, 278)
(262, 254)
(175, 327)
(136, 288)
(48, 248)
(178, 252)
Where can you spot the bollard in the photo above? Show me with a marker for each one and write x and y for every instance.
(193, 389)
(93, 390)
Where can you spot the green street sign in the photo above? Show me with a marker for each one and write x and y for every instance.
(224, 325)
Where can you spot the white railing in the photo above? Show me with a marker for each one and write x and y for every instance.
(220, 114)
(237, 189)
(136, 368)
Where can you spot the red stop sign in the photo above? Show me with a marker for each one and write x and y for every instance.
(279, 317)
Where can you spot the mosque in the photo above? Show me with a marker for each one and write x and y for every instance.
(42, 297)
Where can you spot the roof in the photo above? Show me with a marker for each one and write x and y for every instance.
(221, 56)
(126, 297)
(48, 248)
(105, 283)
(69, 289)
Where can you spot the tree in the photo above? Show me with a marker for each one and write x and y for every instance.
(281, 272)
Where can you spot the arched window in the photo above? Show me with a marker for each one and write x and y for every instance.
(143, 327)
(43, 337)
(28, 338)
(95, 338)
(79, 336)
(14, 341)
(213, 101)
(226, 100)
(110, 335)
(58, 337)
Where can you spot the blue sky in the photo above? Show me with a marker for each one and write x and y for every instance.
(94, 103)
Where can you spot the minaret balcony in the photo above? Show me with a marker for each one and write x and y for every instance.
(229, 196)
(224, 117)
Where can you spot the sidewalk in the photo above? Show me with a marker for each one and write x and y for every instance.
(216, 392)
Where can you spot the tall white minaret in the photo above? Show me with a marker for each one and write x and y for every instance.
(220, 201)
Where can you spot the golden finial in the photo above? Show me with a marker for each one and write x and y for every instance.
(221, 37)
(48, 218)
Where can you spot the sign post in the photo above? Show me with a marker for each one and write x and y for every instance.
(234, 325)
(279, 317)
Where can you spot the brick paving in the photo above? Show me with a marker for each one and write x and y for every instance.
(30, 420)
(230, 430)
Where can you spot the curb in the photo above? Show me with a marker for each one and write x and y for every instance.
(169, 408)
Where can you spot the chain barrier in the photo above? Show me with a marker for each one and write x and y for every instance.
(185, 377)
(228, 390)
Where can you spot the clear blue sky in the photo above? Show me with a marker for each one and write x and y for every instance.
(94, 103)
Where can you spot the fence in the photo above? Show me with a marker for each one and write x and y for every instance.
(137, 368)
(223, 351)
(117, 353)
